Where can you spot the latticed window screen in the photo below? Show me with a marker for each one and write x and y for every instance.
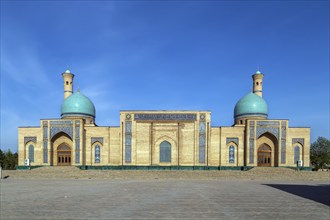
(202, 137)
(296, 154)
(128, 141)
(231, 154)
(31, 153)
(165, 152)
(97, 154)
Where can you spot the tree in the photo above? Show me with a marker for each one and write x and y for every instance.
(8, 160)
(2, 157)
(320, 153)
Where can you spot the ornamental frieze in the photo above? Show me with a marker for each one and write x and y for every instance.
(165, 117)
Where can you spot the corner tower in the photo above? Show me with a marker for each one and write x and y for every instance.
(68, 83)
(257, 83)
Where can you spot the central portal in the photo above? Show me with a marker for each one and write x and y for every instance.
(264, 156)
(63, 155)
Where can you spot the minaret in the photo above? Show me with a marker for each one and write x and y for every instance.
(257, 83)
(68, 83)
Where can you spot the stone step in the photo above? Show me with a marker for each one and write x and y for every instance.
(272, 170)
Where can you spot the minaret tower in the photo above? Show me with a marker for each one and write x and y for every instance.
(68, 83)
(257, 83)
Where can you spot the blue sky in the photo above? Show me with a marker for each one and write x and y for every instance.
(164, 55)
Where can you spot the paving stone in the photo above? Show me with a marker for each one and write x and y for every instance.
(164, 195)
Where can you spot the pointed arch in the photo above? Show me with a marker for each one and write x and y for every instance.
(267, 147)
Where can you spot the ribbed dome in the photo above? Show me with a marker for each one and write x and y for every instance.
(251, 104)
(77, 105)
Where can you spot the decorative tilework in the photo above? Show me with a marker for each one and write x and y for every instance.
(298, 140)
(128, 141)
(231, 154)
(202, 137)
(283, 151)
(61, 126)
(77, 144)
(45, 131)
(45, 151)
(77, 132)
(273, 130)
(251, 156)
(166, 117)
(283, 142)
(27, 139)
(45, 141)
(96, 139)
(234, 140)
(77, 152)
(128, 117)
(97, 154)
(268, 123)
(251, 151)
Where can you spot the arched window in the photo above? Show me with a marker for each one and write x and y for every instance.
(231, 154)
(97, 154)
(165, 152)
(31, 153)
(296, 154)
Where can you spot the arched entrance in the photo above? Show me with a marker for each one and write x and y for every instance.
(264, 156)
(63, 155)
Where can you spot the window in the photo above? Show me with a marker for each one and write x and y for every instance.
(31, 153)
(296, 154)
(165, 152)
(97, 154)
(231, 154)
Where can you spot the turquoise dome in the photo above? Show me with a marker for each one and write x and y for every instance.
(252, 105)
(77, 105)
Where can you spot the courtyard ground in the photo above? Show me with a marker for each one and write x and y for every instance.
(68, 193)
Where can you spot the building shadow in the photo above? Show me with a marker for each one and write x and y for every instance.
(317, 193)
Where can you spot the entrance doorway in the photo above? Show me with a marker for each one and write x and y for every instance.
(264, 156)
(63, 155)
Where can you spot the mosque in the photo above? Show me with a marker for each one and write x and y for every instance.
(165, 139)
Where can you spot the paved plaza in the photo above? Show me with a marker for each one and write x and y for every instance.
(163, 199)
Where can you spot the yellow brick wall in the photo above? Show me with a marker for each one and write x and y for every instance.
(214, 147)
(303, 133)
(97, 132)
(147, 136)
(232, 132)
(23, 149)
